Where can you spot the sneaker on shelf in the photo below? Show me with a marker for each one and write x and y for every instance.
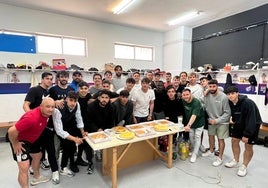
(90, 169)
(202, 149)
(217, 162)
(31, 170)
(242, 171)
(41, 179)
(207, 154)
(74, 168)
(233, 163)
(81, 162)
(217, 152)
(55, 177)
(45, 165)
(98, 155)
(66, 172)
(193, 158)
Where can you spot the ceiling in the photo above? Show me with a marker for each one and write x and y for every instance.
(149, 14)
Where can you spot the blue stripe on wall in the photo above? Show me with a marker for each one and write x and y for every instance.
(14, 88)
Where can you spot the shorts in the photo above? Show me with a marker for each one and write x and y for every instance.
(29, 148)
(238, 133)
(220, 130)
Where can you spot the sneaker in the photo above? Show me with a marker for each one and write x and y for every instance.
(217, 162)
(90, 169)
(41, 179)
(233, 163)
(242, 171)
(202, 149)
(55, 177)
(193, 158)
(31, 170)
(45, 165)
(74, 168)
(207, 154)
(81, 162)
(66, 172)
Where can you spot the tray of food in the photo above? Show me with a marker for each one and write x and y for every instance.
(98, 137)
(144, 132)
(135, 127)
(119, 129)
(161, 128)
(127, 135)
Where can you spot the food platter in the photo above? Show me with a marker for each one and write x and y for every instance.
(135, 127)
(119, 129)
(144, 132)
(161, 128)
(127, 135)
(98, 137)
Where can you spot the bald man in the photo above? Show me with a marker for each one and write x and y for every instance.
(23, 140)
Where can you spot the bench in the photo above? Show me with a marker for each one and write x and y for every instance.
(263, 131)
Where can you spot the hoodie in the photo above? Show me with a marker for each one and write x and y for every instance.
(246, 116)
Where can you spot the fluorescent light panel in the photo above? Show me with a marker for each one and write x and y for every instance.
(122, 6)
(184, 18)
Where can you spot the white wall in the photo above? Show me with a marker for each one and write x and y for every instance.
(100, 38)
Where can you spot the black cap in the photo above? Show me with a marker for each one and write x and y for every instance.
(231, 89)
(77, 72)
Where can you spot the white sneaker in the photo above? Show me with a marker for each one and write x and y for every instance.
(41, 179)
(66, 172)
(242, 171)
(207, 154)
(217, 162)
(193, 158)
(233, 163)
(55, 177)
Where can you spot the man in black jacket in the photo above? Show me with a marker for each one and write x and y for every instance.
(244, 125)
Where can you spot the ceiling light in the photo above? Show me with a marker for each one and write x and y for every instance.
(184, 18)
(122, 6)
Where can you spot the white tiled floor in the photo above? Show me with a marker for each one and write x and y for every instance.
(155, 174)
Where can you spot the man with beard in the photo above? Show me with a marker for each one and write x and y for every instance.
(77, 77)
(244, 126)
(100, 115)
(118, 80)
(219, 112)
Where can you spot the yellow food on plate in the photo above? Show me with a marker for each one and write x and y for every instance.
(127, 135)
(161, 127)
(119, 129)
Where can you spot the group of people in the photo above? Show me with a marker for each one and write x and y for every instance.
(58, 117)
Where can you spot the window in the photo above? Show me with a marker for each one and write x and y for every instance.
(61, 45)
(133, 52)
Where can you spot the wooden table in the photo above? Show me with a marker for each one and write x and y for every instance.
(119, 154)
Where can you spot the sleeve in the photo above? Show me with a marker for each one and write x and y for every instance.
(90, 118)
(30, 95)
(78, 116)
(249, 111)
(56, 116)
(225, 117)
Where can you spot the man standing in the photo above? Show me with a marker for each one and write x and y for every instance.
(219, 112)
(118, 80)
(195, 118)
(24, 136)
(123, 108)
(244, 125)
(77, 77)
(143, 100)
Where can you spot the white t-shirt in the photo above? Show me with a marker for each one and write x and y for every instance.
(142, 101)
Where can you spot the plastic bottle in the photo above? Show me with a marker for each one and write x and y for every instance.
(183, 152)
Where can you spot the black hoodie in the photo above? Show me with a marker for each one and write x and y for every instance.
(246, 116)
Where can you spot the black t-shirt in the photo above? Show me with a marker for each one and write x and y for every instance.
(58, 93)
(35, 96)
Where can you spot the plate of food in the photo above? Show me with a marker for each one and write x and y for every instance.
(127, 135)
(99, 137)
(135, 127)
(143, 132)
(161, 128)
(119, 129)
